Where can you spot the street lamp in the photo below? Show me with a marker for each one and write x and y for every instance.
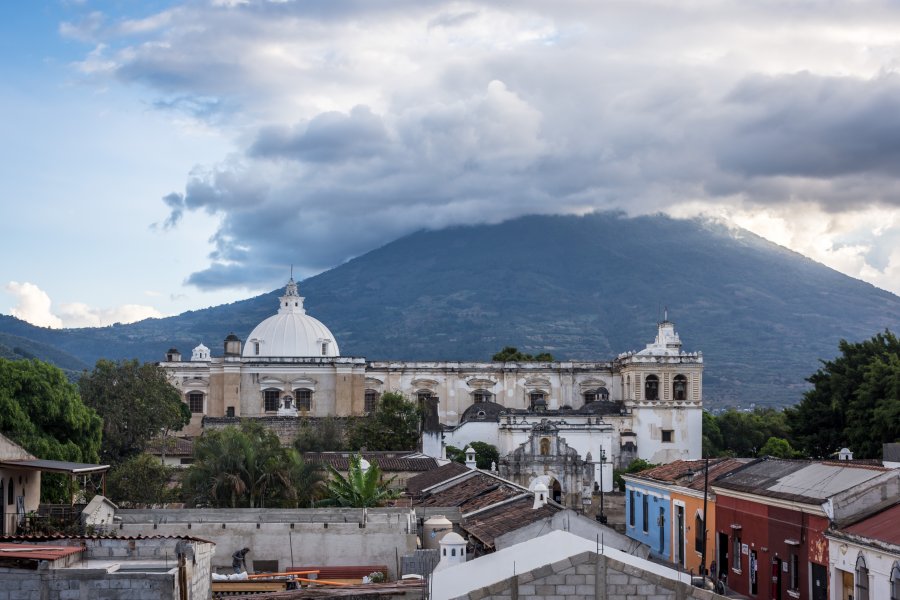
(602, 517)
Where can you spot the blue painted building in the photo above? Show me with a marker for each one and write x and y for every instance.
(648, 514)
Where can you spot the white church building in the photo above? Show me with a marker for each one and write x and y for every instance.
(645, 404)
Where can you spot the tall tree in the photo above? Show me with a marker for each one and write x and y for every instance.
(41, 411)
(393, 426)
(141, 480)
(854, 402)
(136, 402)
(361, 488)
(246, 467)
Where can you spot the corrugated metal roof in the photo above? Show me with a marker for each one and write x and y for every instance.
(54, 466)
(34, 552)
(883, 526)
(798, 480)
(61, 536)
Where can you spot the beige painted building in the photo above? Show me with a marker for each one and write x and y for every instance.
(290, 366)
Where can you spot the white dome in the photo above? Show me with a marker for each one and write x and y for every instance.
(291, 332)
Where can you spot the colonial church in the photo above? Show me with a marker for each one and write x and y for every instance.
(645, 404)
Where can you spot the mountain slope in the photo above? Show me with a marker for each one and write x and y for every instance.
(579, 287)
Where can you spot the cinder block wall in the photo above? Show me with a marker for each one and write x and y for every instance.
(589, 576)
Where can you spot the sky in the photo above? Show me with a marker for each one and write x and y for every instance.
(163, 156)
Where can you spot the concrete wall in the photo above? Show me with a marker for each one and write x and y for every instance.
(569, 520)
(302, 537)
(111, 578)
(588, 576)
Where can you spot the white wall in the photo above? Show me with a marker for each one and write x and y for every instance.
(842, 554)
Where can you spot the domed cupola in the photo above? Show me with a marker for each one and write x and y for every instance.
(291, 332)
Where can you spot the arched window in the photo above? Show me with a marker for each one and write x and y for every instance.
(303, 398)
(271, 399)
(545, 447)
(10, 496)
(679, 388)
(590, 396)
(895, 582)
(256, 348)
(423, 395)
(481, 396)
(452, 551)
(651, 387)
(195, 402)
(371, 401)
(862, 579)
(538, 401)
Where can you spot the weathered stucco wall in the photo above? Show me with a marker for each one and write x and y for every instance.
(302, 537)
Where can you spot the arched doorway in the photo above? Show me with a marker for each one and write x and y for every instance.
(556, 492)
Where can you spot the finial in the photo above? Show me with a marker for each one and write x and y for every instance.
(292, 270)
(666, 315)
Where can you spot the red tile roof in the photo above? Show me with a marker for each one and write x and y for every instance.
(494, 522)
(35, 552)
(472, 493)
(883, 526)
(416, 484)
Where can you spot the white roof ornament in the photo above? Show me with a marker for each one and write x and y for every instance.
(291, 332)
(200, 353)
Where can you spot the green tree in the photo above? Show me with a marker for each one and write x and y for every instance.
(744, 433)
(393, 426)
(636, 466)
(777, 447)
(713, 443)
(854, 402)
(141, 480)
(319, 435)
(485, 454)
(361, 488)
(136, 402)
(246, 467)
(41, 411)
(512, 354)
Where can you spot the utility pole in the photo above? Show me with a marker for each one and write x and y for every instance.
(602, 517)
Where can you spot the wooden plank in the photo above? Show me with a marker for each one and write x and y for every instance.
(248, 586)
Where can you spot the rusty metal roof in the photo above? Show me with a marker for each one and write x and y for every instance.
(416, 484)
(490, 524)
(62, 536)
(54, 466)
(36, 552)
(174, 446)
(802, 481)
(883, 526)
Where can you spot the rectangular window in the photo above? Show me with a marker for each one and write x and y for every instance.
(631, 507)
(668, 435)
(304, 399)
(646, 513)
(371, 401)
(736, 552)
(271, 399)
(229, 412)
(795, 572)
(186, 461)
(195, 402)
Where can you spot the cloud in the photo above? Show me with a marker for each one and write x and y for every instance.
(34, 306)
(354, 123)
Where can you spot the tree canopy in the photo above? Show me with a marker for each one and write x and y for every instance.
(740, 433)
(361, 488)
(485, 454)
(247, 467)
(41, 411)
(393, 426)
(512, 354)
(136, 402)
(854, 402)
(141, 480)
(320, 435)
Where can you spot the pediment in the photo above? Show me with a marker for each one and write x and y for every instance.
(537, 382)
(589, 384)
(477, 382)
(190, 382)
(303, 381)
(373, 382)
(425, 383)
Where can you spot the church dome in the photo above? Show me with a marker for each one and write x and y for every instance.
(291, 332)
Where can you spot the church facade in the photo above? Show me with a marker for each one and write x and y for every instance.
(645, 404)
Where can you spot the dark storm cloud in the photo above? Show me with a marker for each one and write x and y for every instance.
(812, 126)
(329, 137)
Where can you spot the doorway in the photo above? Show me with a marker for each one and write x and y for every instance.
(679, 533)
(819, 582)
(846, 585)
(722, 562)
(661, 520)
(556, 491)
(776, 578)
